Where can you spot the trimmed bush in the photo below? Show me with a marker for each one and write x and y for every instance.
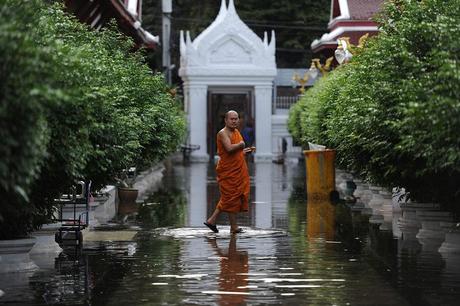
(393, 113)
(78, 105)
(23, 126)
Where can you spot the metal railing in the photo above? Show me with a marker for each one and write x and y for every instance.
(285, 102)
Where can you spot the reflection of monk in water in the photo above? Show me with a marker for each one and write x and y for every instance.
(232, 173)
(233, 273)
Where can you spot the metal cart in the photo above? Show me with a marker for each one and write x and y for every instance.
(73, 214)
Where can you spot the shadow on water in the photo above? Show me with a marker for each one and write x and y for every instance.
(292, 252)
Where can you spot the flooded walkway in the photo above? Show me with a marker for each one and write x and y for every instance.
(291, 253)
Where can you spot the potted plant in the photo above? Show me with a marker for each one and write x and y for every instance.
(127, 194)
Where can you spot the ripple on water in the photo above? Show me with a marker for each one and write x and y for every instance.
(224, 232)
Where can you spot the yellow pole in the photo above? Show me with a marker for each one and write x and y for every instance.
(320, 171)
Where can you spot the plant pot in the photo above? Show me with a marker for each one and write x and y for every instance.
(127, 208)
(127, 195)
(14, 255)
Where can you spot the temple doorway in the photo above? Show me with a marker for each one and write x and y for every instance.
(222, 100)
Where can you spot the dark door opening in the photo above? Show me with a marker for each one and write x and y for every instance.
(218, 104)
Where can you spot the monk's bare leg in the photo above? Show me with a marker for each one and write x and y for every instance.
(213, 218)
(233, 225)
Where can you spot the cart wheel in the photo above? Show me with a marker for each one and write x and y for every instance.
(80, 238)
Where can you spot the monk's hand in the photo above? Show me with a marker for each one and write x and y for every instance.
(247, 150)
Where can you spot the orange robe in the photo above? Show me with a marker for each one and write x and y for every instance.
(233, 177)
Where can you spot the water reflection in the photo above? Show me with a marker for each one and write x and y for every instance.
(262, 204)
(74, 282)
(166, 207)
(293, 252)
(320, 220)
(198, 201)
(234, 268)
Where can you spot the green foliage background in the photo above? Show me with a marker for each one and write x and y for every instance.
(75, 104)
(393, 112)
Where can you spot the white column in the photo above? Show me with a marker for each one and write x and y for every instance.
(263, 95)
(166, 6)
(197, 116)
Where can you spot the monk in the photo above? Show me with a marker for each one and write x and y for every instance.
(232, 174)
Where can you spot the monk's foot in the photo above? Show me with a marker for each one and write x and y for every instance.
(212, 227)
(237, 231)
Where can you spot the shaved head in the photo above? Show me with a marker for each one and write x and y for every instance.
(231, 112)
(231, 119)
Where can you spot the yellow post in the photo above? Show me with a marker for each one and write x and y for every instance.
(320, 174)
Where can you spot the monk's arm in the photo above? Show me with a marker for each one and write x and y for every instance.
(227, 143)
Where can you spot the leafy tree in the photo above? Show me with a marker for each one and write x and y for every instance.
(23, 127)
(393, 112)
(77, 104)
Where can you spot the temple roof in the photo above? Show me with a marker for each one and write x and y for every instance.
(97, 13)
(363, 9)
(352, 18)
(227, 43)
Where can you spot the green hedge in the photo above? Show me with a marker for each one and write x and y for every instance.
(22, 119)
(393, 113)
(75, 104)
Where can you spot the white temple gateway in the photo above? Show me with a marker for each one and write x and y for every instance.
(229, 67)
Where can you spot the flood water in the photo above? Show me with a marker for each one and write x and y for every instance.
(291, 253)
